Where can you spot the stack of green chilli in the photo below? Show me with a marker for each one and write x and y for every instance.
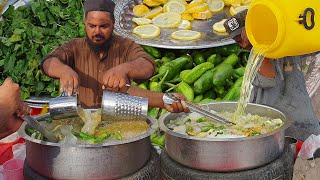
(202, 76)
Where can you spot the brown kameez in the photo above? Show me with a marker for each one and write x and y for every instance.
(91, 68)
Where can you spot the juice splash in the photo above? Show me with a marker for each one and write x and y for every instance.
(253, 65)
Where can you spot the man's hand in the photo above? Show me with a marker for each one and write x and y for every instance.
(23, 110)
(177, 106)
(10, 103)
(9, 98)
(69, 81)
(116, 78)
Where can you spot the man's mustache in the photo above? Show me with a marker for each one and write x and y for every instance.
(98, 36)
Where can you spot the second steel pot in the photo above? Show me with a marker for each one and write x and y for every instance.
(226, 154)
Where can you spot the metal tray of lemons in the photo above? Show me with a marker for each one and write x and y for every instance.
(176, 24)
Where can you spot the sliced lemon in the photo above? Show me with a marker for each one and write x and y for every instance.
(174, 7)
(142, 21)
(218, 27)
(200, 8)
(140, 10)
(151, 3)
(161, 1)
(186, 35)
(186, 16)
(154, 12)
(230, 2)
(202, 15)
(246, 2)
(215, 5)
(185, 24)
(195, 3)
(236, 10)
(147, 31)
(235, 5)
(179, 1)
(167, 20)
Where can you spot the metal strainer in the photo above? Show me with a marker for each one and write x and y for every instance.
(117, 106)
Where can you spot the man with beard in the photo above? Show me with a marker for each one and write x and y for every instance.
(102, 59)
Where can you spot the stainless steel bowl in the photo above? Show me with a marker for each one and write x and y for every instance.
(226, 154)
(101, 161)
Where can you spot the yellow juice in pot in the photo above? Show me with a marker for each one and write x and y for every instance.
(285, 28)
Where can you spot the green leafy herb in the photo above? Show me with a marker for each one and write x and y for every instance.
(29, 33)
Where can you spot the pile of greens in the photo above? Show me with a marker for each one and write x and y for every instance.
(29, 33)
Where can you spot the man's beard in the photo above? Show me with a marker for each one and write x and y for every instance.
(99, 47)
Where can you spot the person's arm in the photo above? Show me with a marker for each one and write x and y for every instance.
(58, 65)
(138, 66)
(265, 77)
(141, 68)
(10, 103)
(266, 69)
(155, 99)
(13, 123)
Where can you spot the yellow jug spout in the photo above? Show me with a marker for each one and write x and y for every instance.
(280, 28)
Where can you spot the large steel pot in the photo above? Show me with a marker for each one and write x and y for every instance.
(226, 154)
(102, 161)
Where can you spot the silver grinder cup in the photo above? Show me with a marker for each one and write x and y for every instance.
(63, 107)
(117, 106)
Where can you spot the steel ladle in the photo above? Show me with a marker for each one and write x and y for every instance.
(37, 126)
(169, 98)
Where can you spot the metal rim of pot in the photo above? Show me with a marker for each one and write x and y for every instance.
(287, 123)
(153, 127)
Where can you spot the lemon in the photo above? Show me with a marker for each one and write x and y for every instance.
(246, 2)
(167, 20)
(174, 7)
(235, 5)
(218, 27)
(215, 5)
(186, 16)
(195, 3)
(202, 15)
(151, 3)
(161, 1)
(185, 24)
(179, 1)
(140, 10)
(229, 2)
(154, 12)
(200, 8)
(236, 10)
(186, 35)
(147, 31)
(142, 21)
